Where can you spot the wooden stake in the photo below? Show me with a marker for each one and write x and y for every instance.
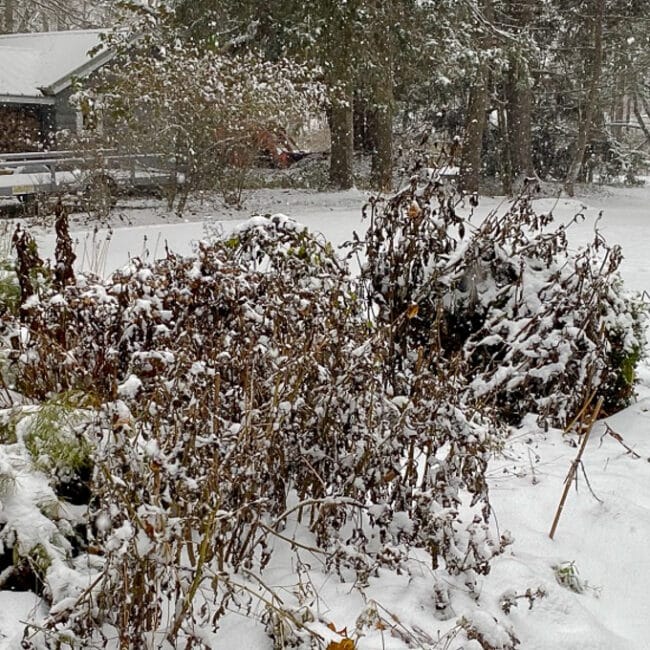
(581, 412)
(574, 467)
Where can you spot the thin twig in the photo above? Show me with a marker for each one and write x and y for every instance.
(619, 438)
(581, 412)
(584, 473)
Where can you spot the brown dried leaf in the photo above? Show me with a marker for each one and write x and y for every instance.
(414, 210)
(344, 644)
(412, 311)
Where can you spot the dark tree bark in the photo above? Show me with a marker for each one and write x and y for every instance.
(618, 108)
(470, 164)
(8, 16)
(476, 116)
(507, 155)
(341, 121)
(382, 124)
(519, 108)
(639, 117)
(519, 96)
(590, 109)
(385, 51)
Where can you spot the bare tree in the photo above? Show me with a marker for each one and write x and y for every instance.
(590, 108)
(46, 15)
(475, 117)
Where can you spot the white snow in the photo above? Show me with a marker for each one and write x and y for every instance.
(130, 387)
(29, 62)
(15, 609)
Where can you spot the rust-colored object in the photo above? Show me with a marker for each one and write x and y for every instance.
(272, 147)
(346, 643)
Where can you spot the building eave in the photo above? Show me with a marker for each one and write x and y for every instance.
(27, 100)
(78, 73)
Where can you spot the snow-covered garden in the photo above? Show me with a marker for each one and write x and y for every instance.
(244, 403)
(243, 434)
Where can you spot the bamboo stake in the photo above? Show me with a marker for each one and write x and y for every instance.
(581, 412)
(574, 468)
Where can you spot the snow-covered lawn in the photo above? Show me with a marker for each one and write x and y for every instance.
(140, 226)
(602, 538)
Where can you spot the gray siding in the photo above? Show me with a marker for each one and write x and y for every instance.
(65, 114)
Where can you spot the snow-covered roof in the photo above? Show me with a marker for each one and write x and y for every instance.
(33, 67)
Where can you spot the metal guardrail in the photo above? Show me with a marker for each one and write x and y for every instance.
(26, 175)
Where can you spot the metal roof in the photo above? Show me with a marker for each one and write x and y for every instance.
(35, 66)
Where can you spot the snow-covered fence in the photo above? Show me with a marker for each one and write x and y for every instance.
(27, 175)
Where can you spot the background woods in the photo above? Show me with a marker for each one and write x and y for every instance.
(555, 90)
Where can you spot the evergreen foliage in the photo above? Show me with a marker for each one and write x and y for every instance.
(59, 447)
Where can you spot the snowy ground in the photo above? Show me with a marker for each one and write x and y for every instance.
(143, 227)
(605, 540)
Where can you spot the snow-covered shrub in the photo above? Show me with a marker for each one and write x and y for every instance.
(9, 288)
(37, 531)
(204, 117)
(9, 303)
(54, 437)
(31, 272)
(239, 391)
(488, 633)
(568, 576)
(535, 326)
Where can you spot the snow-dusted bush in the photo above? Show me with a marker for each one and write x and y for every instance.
(256, 389)
(535, 326)
(238, 391)
(205, 117)
(9, 289)
(37, 531)
(54, 437)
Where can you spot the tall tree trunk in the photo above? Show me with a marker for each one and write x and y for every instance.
(639, 117)
(382, 124)
(386, 15)
(618, 108)
(519, 107)
(8, 15)
(476, 117)
(507, 159)
(342, 133)
(519, 97)
(590, 108)
(470, 163)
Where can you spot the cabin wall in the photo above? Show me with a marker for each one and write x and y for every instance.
(33, 127)
(65, 113)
